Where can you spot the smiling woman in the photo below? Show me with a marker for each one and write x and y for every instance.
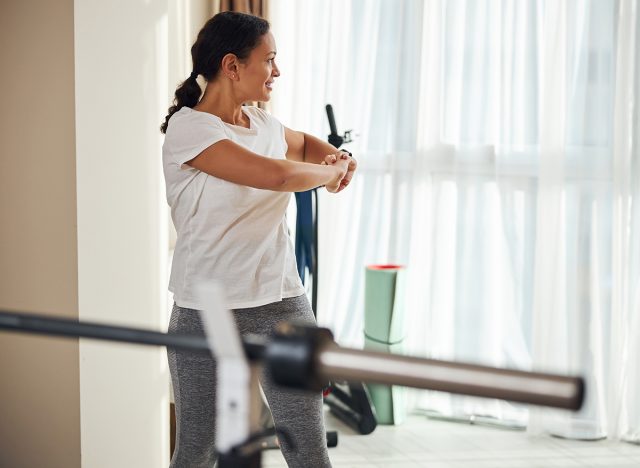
(229, 170)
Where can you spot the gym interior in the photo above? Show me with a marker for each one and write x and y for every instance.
(492, 222)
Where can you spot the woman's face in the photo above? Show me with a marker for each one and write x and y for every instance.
(257, 73)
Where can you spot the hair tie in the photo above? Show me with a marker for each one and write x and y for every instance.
(193, 75)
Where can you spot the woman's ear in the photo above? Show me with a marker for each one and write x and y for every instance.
(229, 66)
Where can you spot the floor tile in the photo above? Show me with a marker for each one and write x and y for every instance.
(422, 442)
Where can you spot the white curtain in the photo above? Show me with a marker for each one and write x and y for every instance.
(498, 150)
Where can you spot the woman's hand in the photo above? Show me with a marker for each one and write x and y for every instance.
(340, 167)
(332, 159)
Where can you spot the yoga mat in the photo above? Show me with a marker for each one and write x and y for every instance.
(384, 330)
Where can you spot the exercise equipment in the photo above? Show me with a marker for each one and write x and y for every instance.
(348, 401)
(306, 358)
(334, 137)
(306, 243)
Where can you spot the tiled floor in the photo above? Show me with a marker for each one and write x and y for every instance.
(422, 442)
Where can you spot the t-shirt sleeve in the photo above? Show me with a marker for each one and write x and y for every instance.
(190, 134)
(277, 128)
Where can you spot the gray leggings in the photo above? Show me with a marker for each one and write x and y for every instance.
(194, 388)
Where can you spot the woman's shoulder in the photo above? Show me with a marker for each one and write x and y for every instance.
(260, 114)
(187, 114)
(188, 118)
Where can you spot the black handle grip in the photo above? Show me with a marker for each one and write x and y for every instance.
(332, 120)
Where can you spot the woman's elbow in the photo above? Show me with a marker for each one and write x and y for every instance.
(280, 178)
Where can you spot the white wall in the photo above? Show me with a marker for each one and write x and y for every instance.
(121, 49)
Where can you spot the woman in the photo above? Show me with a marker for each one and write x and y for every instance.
(230, 170)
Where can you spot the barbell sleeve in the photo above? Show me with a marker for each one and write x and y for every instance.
(336, 363)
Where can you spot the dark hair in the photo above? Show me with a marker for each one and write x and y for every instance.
(225, 33)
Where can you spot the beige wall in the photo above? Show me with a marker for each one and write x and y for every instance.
(83, 230)
(39, 377)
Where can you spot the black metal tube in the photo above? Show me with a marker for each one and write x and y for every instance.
(315, 266)
(42, 324)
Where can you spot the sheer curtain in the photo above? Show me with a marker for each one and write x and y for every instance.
(498, 152)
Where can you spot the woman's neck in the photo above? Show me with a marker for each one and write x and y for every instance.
(219, 99)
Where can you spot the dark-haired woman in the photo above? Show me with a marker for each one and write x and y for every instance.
(230, 170)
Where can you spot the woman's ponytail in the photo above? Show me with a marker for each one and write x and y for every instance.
(226, 33)
(187, 94)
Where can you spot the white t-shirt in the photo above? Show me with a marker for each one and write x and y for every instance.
(230, 234)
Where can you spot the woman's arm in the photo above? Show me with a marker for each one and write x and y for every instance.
(231, 162)
(307, 148)
(303, 147)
